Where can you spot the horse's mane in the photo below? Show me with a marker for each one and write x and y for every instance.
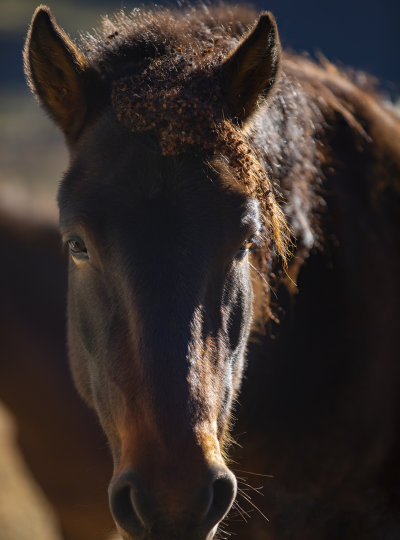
(290, 138)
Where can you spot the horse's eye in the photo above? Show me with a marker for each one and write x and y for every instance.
(246, 246)
(77, 248)
(244, 249)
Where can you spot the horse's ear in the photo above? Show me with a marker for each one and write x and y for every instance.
(252, 70)
(56, 71)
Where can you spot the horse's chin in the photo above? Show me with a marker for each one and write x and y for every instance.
(170, 536)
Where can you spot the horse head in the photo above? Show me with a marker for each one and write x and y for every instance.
(159, 209)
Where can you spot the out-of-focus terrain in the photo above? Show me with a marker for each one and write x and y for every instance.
(32, 158)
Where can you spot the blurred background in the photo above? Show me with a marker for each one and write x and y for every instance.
(363, 34)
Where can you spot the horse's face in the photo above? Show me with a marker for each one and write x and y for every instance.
(159, 314)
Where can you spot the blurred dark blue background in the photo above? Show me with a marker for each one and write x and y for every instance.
(364, 34)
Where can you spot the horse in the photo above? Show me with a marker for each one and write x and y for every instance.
(201, 156)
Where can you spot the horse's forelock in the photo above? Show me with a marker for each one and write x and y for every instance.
(183, 102)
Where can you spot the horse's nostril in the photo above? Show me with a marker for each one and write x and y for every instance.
(122, 507)
(224, 493)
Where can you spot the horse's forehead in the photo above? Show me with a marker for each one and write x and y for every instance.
(116, 172)
(113, 161)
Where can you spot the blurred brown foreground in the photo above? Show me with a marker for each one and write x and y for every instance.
(25, 513)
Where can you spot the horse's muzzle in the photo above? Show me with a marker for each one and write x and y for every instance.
(172, 510)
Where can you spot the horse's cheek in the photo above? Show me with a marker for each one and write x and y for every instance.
(95, 388)
(86, 334)
(79, 368)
